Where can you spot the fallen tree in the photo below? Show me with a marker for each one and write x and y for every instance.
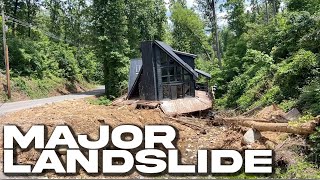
(259, 124)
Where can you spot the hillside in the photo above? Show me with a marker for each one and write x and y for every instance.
(24, 88)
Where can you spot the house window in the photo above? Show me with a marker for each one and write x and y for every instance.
(163, 58)
(166, 92)
(180, 91)
(164, 71)
(187, 89)
(176, 81)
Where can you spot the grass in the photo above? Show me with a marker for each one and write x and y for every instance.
(304, 119)
(102, 100)
(300, 170)
(34, 88)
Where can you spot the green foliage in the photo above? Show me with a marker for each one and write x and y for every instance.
(146, 21)
(37, 88)
(43, 58)
(304, 5)
(295, 72)
(299, 170)
(290, 38)
(188, 31)
(310, 97)
(315, 147)
(103, 100)
(112, 43)
(246, 88)
(236, 18)
(287, 105)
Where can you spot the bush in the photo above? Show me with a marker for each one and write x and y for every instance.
(103, 100)
(300, 170)
(248, 87)
(43, 58)
(315, 146)
(309, 100)
(296, 72)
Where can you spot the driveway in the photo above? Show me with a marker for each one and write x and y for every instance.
(16, 106)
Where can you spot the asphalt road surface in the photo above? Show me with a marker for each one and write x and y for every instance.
(16, 106)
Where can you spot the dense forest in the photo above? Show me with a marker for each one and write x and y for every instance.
(266, 52)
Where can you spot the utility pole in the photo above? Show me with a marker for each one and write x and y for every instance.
(5, 50)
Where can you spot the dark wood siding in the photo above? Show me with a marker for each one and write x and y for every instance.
(159, 79)
(187, 59)
(174, 81)
(148, 78)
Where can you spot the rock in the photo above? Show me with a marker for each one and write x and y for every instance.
(251, 136)
(270, 144)
(293, 114)
(203, 131)
(101, 121)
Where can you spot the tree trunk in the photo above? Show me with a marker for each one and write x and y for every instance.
(267, 11)
(29, 19)
(261, 125)
(15, 10)
(274, 10)
(214, 31)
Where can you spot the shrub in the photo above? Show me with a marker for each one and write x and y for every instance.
(295, 72)
(309, 100)
(103, 100)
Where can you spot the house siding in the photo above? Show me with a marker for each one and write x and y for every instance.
(148, 77)
(159, 79)
(187, 59)
(164, 74)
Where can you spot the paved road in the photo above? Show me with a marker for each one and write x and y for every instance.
(16, 106)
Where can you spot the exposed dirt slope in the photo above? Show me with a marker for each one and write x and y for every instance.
(86, 118)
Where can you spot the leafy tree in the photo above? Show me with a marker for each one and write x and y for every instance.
(112, 44)
(236, 16)
(311, 6)
(188, 31)
(146, 21)
(208, 7)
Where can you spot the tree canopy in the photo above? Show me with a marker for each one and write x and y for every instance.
(268, 52)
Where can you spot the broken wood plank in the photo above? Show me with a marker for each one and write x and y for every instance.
(143, 104)
(190, 125)
(252, 110)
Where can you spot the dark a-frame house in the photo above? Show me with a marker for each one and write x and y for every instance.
(163, 73)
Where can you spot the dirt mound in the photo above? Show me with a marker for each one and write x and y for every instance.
(270, 112)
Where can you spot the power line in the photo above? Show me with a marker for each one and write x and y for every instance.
(29, 25)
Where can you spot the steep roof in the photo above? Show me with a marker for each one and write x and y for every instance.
(203, 73)
(134, 74)
(175, 57)
(185, 53)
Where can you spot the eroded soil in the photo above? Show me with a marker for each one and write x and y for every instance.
(86, 118)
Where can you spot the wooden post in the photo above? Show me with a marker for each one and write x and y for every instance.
(8, 72)
(5, 49)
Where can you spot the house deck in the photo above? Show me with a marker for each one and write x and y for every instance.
(201, 102)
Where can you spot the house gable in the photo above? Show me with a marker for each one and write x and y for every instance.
(165, 73)
(175, 57)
